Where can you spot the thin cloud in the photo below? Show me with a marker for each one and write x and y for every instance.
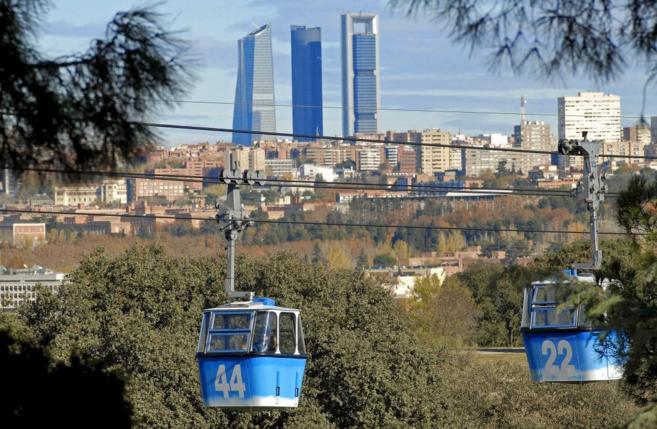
(67, 29)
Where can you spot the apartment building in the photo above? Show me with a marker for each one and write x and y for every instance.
(434, 159)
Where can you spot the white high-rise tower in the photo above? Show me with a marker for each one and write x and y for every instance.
(360, 73)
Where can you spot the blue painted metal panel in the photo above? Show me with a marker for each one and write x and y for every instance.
(569, 356)
(251, 381)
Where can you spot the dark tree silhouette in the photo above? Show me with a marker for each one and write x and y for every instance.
(82, 111)
(597, 37)
(34, 394)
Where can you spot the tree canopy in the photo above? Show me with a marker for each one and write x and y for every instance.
(136, 316)
(82, 111)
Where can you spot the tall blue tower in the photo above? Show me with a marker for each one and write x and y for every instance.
(360, 73)
(306, 81)
(254, 108)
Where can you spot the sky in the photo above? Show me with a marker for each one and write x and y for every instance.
(420, 67)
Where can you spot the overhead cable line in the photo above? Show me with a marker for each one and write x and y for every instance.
(417, 110)
(311, 223)
(316, 184)
(382, 141)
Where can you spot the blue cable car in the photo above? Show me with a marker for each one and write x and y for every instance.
(251, 355)
(563, 345)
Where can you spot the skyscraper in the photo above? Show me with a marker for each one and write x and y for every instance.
(360, 73)
(306, 81)
(254, 108)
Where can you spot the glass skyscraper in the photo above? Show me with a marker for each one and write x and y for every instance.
(306, 81)
(360, 73)
(254, 108)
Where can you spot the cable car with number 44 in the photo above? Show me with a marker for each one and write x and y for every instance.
(251, 355)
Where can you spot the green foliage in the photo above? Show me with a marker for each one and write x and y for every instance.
(444, 315)
(493, 391)
(82, 111)
(138, 314)
(40, 392)
(497, 291)
(384, 260)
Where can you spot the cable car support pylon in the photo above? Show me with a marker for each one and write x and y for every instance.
(592, 189)
(233, 220)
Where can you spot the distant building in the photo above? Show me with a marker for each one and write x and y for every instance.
(434, 159)
(6, 178)
(20, 233)
(623, 148)
(114, 191)
(407, 160)
(256, 159)
(369, 159)
(360, 73)
(254, 108)
(476, 162)
(639, 137)
(653, 129)
(400, 281)
(312, 171)
(533, 136)
(329, 155)
(391, 152)
(594, 112)
(140, 189)
(306, 81)
(495, 139)
(19, 286)
(74, 196)
(240, 156)
(279, 167)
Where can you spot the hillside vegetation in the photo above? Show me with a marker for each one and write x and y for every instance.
(135, 317)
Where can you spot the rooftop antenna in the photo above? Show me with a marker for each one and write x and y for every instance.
(523, 103)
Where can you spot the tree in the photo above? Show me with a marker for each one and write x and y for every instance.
(497, 291)
(84, 393)
(338, 258)
(551, 37)
(384, 260)
(138, 314)
(401, 251)
(445, 314)
(84, 111)
(629, 305)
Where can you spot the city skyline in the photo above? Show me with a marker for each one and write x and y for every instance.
(420, 67)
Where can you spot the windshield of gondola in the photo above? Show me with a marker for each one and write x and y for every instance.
(545, 302)
(231, 321)
(550, 293)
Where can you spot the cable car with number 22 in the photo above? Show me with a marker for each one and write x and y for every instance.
(561, 344)
(251, 355)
